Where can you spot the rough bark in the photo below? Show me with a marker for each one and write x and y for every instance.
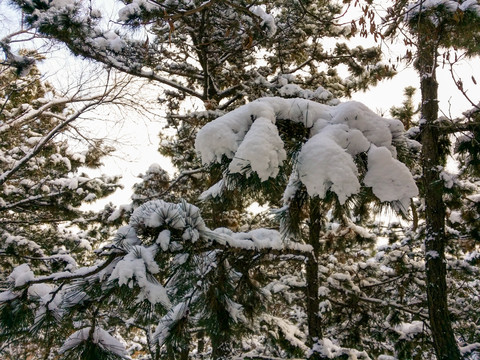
(221, 333)
(442, 333)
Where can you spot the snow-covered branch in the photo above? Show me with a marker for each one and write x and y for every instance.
(249, 137)
(28, 280)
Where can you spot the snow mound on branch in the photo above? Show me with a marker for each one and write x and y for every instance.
(258, 239)
(448, 5)
(134, 8)
(167, 322)
(441, 6)
(21, 275)
(324, 165)
(138, 265)
(373, 127)
(389, 179)
(158, 213)
(222, 136)
(328, 349)
(246, 158)
(267, 20)
(326, 161)
(410, 330)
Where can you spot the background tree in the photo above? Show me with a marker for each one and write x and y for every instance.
(436, 27)
(430, 29)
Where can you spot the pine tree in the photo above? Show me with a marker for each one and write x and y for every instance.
(205, 53)
(316, 186)
(433, 27)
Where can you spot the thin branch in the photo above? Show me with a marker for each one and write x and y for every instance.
(64, 276)
(459, 85)
(41, 144)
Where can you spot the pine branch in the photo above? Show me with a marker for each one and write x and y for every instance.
(27, 201)
(67, 277)
(405, 308)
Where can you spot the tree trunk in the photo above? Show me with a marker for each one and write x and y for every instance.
(315, 332)
(201, 343)
(221, 345)
(221, 331)
(442, 333)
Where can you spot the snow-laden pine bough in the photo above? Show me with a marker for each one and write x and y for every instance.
(337, 153)
(248, 139)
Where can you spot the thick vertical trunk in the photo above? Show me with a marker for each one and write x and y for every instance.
(221, 344)
(201, 343)
(313, 318)
(441, 328)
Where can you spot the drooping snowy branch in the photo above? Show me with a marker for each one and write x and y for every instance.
(248, 138)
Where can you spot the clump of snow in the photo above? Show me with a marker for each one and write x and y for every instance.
(137, 266)
(376, 129)
(268, 20)
(324, 165)
(467, 349)
(455, 217)
(163, 239)
(291, 333)
(327, 348)
(246, 158)
(448, 179)
(118, 212)
(214, 191)
(167, 322)
(409, 330)
(294, 90)
(134, 8)
(157, 213)
(235, 310)
(21, 275)
(389, 179)
(7, 296)
(448, 5)
(256, 239)
(127, 235)
(154, 169)
(472, 256)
